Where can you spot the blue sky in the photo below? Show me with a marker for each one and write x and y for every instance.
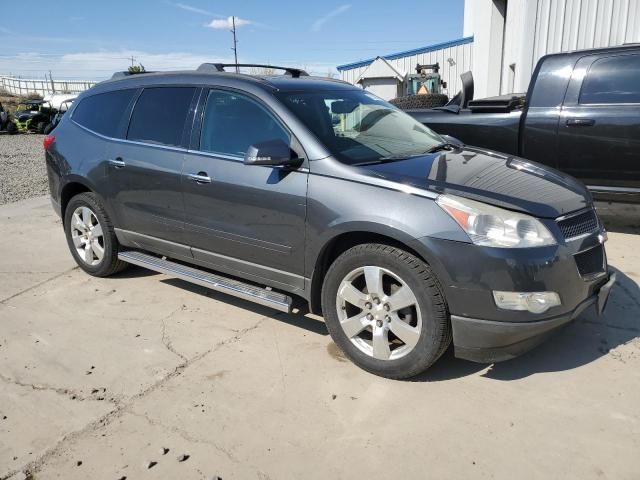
(90, 39)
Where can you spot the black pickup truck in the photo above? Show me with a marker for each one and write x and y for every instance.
(581, 115)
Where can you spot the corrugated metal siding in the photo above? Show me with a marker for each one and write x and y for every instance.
(564, 25)
(461, 55)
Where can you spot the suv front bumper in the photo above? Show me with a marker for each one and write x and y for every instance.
(488, 341)
(469, 274)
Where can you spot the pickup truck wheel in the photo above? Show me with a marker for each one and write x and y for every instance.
(91, 237)
(385, 309)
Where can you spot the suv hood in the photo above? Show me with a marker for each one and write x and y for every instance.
(500, 180)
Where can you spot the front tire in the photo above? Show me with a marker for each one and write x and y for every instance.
(386, 311)
(91, 237)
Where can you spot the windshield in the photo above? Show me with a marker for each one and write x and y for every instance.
(358, 127)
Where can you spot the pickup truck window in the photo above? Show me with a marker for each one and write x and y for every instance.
(358, 127)
(612, 80)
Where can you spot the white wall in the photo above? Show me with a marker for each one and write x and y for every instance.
(461, 55)
(534, 28)
(385, 88)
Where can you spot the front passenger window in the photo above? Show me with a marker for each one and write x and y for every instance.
(233, 122)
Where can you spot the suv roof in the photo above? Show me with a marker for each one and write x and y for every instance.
(294, 80)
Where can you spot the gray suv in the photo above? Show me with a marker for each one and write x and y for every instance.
(279, 187)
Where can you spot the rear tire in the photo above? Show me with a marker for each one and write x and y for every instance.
(48, 129)
(394, 337)
(12, 129)
(91, 237)
(40, 127)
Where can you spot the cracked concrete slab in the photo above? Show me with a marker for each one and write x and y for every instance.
(34, 419)
(239, 391)
(41, 256)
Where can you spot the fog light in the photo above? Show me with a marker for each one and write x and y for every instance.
(534, 302)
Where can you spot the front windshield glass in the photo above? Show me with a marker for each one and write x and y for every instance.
(358, 127)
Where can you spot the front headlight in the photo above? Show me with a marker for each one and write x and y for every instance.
(495, 227)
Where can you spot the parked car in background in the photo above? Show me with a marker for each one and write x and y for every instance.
(581, 115)
(246, 184)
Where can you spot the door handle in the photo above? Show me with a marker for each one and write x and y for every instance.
(200, 177)
(117, 162)
(580, 122)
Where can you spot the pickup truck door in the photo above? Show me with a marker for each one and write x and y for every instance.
(242, 219)
(599, 126)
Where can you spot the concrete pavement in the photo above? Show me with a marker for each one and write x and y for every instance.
(142, 376)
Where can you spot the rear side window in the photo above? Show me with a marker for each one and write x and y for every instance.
(612, 80)
(103, 113)
(160, 114)
(233, 122)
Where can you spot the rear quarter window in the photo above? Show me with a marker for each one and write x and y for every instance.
(159, 115)
(104, 113)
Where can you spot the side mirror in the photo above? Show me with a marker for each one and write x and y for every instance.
(273, 153)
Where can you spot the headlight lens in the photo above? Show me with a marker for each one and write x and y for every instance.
(495, 227)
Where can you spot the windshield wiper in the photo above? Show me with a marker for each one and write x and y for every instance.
(381, 160)
(442, 146)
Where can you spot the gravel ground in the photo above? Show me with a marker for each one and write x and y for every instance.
(22, 169)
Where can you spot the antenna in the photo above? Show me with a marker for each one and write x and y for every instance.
(235, 42)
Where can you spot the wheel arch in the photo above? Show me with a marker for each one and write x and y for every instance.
(70, 189)
(341, 242)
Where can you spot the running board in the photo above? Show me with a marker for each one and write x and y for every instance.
(265, 297)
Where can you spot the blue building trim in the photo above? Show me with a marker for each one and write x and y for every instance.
(407, 53)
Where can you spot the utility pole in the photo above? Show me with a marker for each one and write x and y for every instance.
(132, 60)
(235, 42)
(53, 85)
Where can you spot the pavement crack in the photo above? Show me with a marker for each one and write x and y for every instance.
(186, 435)
(97, 394)
(166, 340)
(121, 407)
(39, 284)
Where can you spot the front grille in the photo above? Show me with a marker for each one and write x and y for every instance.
(590, 262)
(583, 223)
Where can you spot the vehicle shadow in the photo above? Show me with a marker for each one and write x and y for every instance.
(299, 318)
(586, 339)
(620, 217)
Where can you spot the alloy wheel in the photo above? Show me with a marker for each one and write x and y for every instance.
(87, 236)
(379, 313)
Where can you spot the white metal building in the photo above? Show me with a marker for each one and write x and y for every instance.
(454, 58)
(503, 40)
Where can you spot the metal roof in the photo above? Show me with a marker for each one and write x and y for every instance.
(406, 53)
